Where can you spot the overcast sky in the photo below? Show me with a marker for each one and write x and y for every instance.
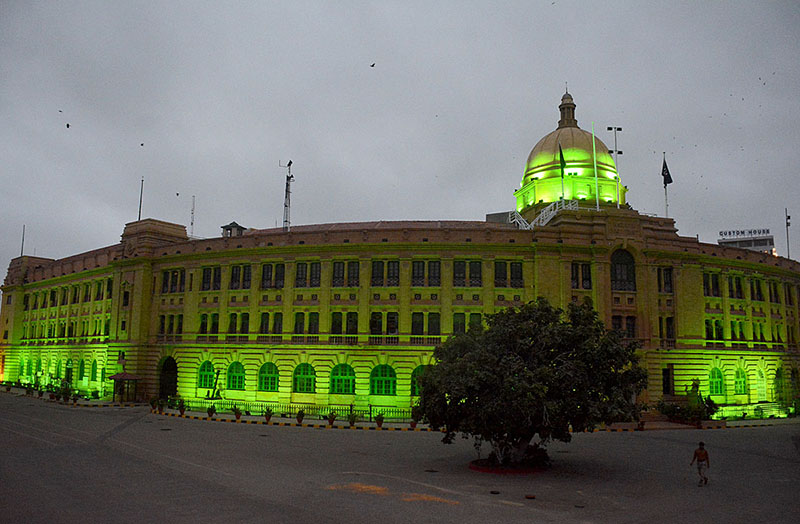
(439, 128)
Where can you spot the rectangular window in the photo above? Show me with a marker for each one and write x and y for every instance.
(393, 273)
(434, 327)
(575, 275)
(277, 323)
(670, 328)
(665, 280)
(516, 275)
(171, 324)
(26, 302)
(500, 274)
(162, 324)
(586, 276)
(247, 276)
(244, 323)
(417, 324)
(434, 273)
(616, 323)
(232, 321)
(299, 323)
(313, 323)
(280, 274)
(75, 292)
(392, 323)
(203, 325)
(214, 323)
(418, 273)
(301, 275)
(352, 323)
(126, 298)
(376, 323)
(475, 321)
(205, 284)
(216, 278)
(236, 277)
(336, 323)
(475, 278)
(263, 326)
(459, 273)
(65, 295)
(715, 284)
(109, 288)
(337, 277)
(738, 282)
(86, 294)
(165, 282)
(352, 274)
(376, 280)
(314, 274)
(266, 276)
(459, 323)
(630, 327)
(706, 285)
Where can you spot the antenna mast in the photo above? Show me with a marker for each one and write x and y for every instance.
(287, 197)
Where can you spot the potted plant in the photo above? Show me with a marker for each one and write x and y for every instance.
(236, 412)
(416, 415)
(379, 420)
(182, 407)
(331, 417)
(75, 398)
(153, 404)
(352, 418)
(267, 414)
(8, 387)
(161, 405)
(300, 416)
(211, 411)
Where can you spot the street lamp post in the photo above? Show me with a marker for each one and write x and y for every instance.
(616, 152)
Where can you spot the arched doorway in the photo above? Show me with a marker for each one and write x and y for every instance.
(168, 378)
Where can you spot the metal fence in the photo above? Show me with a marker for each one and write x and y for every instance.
(289, 410)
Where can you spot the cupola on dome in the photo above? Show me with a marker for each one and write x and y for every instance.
(542, 181)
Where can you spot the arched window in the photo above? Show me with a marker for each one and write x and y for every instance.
(58, 369)
(93, 376)
(419, 370)
(236, 376)
(304, 379)
(81, 370)
(205, 377)
(740, 382)
(623, 271)
(383, 381)
(268, 377)
(715, 382)
(343, 380)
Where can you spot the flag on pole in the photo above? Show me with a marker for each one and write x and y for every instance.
(665, 173)
(561, 157)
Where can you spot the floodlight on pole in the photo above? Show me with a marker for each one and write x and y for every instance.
(615, 152)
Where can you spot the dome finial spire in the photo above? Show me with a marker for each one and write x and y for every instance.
(566, 88)
(567, 108)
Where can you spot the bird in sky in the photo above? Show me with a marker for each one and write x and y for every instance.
(373, 64)
(142, 144)
(67, 126)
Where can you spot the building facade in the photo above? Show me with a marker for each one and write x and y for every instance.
(349, 313)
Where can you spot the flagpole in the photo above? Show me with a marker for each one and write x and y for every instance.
(666, 199)
(141, 192)
(561, 160)
(594, 157)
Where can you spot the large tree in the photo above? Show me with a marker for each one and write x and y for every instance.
(536, 370)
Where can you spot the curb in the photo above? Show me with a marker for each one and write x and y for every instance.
(293, 424)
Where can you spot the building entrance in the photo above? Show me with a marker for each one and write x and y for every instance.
(168, 379)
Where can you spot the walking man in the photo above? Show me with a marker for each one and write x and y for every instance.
(701, 456)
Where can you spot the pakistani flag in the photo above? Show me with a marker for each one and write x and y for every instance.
(561, 157)
(665, 173)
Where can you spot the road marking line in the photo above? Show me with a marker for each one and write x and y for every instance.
(26, 435)
(176, 459)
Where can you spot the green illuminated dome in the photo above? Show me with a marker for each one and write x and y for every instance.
(542, 182)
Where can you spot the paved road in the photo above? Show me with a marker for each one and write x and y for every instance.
(63, 464)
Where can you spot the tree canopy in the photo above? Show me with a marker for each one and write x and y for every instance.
(536, 370)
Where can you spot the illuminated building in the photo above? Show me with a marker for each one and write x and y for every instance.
(348, 313)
